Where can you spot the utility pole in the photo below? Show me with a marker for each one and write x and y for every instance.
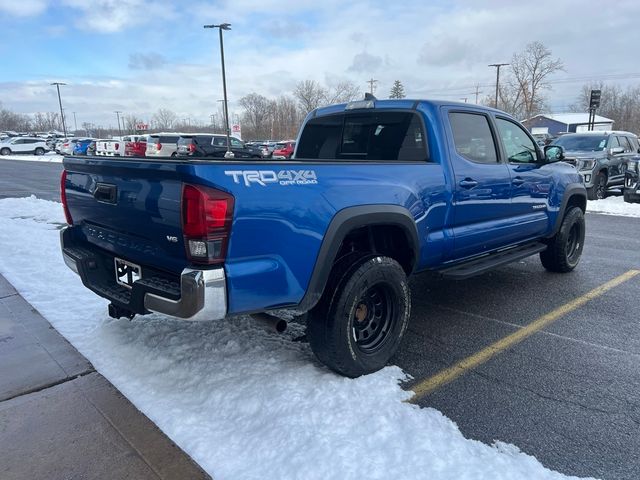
(64, 126)
(118, 112)
(497, 65)
(372, 85)
(477, 92)
(75, 122)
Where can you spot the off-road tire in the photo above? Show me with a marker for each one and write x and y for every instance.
(333, 325)
(599, 189)
(565, 248)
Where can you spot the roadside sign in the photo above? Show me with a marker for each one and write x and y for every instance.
(594, 100)
(236, 130)
(142, 126)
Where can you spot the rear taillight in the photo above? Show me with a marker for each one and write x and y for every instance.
(63, 197)
(191, 147)
(206, 223)
(117, 146)
(158, 146)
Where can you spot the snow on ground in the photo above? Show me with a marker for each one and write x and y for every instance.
(243, 403)
(47, 157)
(614, 206)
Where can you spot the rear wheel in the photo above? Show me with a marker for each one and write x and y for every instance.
(5, 151)
(361, 318)
(565, 248)
(39, 151)
(599, 189)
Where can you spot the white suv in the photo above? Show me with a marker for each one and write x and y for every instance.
(162, 144)
(33, 145)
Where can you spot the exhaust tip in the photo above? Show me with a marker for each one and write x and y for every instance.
(270, 322)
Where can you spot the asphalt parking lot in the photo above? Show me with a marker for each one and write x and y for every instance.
(567, 393)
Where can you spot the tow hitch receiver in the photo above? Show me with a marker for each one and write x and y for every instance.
(119, 312)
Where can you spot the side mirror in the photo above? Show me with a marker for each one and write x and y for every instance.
(553, 153)
(616, 150)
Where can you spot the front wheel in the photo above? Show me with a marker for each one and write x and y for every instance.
(565, 248)
(361, 318)
(599, 189)
(5, 151)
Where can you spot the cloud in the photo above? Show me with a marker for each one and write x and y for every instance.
(444, 58)
(365, 62)
(23, 8)
(146, 61)
(111, 16)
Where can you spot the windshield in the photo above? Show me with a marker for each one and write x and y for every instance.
(582, 143)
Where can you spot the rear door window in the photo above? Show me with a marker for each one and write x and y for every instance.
(375, 136)
(624, 143)
(472, 137)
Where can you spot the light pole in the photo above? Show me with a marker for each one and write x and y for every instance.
(118, 112)
(497, 65)
(64, 126)
(221, 27)
(75, 123)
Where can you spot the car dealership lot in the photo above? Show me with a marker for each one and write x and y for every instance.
(567, 394)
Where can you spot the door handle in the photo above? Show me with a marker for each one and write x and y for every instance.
(468, 183)
(517, 181)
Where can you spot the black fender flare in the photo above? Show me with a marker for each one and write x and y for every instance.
(571, 190)
(341, 225)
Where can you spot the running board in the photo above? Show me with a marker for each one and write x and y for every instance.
(489, 262)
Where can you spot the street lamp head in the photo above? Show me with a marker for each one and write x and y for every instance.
(223, 26)
(58, 83)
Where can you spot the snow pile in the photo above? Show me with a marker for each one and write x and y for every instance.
(49, 157)
(243, 403)
(614, 206)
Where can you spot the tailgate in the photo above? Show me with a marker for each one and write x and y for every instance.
(130, 208)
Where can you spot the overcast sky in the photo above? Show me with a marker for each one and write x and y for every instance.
(137, 56)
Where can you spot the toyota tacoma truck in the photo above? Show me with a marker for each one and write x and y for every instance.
(377, 191)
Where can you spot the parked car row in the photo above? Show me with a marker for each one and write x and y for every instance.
(169, 145)
(278, 150)
(602, 158)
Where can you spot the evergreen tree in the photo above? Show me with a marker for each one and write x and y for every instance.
(397, 91)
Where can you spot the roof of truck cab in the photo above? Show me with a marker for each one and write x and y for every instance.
(404, 103)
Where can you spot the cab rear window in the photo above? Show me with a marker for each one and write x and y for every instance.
(374, 136)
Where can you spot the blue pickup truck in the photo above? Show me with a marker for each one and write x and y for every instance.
(377, 190)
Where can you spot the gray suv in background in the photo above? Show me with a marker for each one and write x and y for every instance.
(600, 157)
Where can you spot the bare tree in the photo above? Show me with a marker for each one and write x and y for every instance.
(310, 95)
(46, 121)
(531, 69)
(257, 115)
(286, 118)
(521, 91)
(14, 121)
(130, 122)
(622, 106)
(164, 119)
(342, 92)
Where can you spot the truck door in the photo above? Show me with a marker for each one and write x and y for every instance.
(482, 184)
(531, 181)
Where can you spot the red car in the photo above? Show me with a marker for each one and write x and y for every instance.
(135, 145)
(284, 150)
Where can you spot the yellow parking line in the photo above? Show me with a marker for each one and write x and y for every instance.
(449, 374)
